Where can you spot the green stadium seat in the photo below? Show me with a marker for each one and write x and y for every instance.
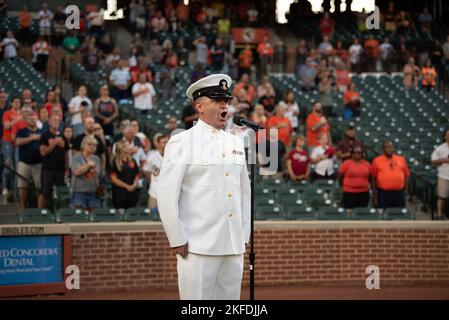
(297, 212)
(332, 213)
(68, 215)
(36, 216)
(398, 214)
(365, 214)
(105, 215)
(265, 212)
(137, 214)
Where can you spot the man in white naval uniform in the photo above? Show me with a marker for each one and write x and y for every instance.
(204, 197)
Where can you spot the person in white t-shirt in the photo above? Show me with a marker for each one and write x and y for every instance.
(152, 167)
(45, 18)
(386, 55)
(323, 157)
(291, 107)
(355, 51)
(10, 45)
(440, 159)
(144, 95)
(77, 106)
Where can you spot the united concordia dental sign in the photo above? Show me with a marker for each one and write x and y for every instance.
(30, 260)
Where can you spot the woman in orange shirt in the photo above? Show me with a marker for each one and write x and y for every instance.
(282, 123)
(429, 75)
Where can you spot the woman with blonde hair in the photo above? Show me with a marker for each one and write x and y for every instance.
(125, 175)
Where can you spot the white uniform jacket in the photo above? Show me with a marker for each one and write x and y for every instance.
(203, 192)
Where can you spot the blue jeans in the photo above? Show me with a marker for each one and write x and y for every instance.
(8, 159)
(85, 200)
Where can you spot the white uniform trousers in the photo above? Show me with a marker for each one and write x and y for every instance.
(204, 277)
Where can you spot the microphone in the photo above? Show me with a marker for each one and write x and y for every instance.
(244, 122)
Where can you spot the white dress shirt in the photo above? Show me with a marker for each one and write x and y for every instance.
(204, 192)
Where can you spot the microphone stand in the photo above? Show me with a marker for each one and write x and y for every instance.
(252, 254)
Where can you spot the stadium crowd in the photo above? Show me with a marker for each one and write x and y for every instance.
(86, 144)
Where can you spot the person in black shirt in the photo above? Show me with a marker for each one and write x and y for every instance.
(271, 151)
(89, 124)
(29, 166)
(53, 147)
(125, 175)
(189, 115)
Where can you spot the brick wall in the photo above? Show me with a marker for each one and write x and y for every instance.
(307, 253)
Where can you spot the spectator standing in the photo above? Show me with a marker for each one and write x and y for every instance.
(245, 60)
(76, 110)
(106, 111)
(292, 108)
(245, 84)
(30, 160)
(354, 176)
(91, 62)
(411, 74)
(429, 75)
(41, 51)
(120, 80)
(446, 57)
(325, 49)
(86, 170)
(440, 159)
(298, 161)
(355, 53)
(317, 124)
(323, 158)
(342, 77)
(201, 51)
(386, 55)
(266, 94)
(265, 51)
(271, 154)
(25, 20)
(71, 45)
(59, 26)
(144, 95)
(280, 122)
(308, 75)
(217, 55)
(327, 25)
(125, 175)
(347, 144)
(326, 99)
(135, 145)
(10, 45)
(425, 20)
(95, 17)
(372, 52)
(189, 116)
(45, 21)
(152, 167)
(100, 149)
(10, 117)
(53, 148)
(390, 172)
(302, 53)
(258, 116)
(167, 80)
